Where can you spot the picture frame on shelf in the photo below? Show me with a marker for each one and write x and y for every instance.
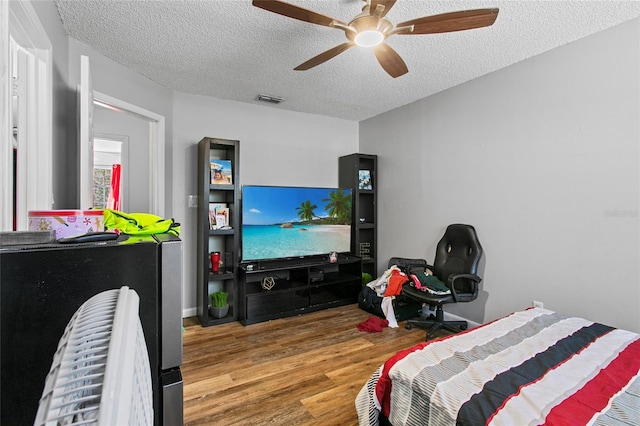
(214, 209)
(212, 219)
(364, 180)
(224, 214)
(221, 172)
(221, 220)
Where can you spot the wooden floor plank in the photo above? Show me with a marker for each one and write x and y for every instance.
(304, 370)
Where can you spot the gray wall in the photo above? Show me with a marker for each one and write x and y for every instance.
(109, 78)
(64, 175)
(115, 80)
(543, 159)
(277, 147)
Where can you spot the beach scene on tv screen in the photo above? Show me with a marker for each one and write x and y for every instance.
(283, 222)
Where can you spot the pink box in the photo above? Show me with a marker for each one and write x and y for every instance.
(66, 223)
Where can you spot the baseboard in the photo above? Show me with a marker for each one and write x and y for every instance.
(189, 312)
(452, 317)
(448, 317)
(192, 312)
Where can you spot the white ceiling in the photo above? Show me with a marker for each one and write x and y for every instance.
(232, 50)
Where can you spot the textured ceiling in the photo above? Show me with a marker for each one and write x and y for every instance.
(232, 50)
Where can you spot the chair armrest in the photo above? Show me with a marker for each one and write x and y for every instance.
(475, 280)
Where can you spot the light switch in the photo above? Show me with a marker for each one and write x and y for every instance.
(192, 201)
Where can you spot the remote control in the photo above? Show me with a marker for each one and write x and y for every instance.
(89, 237)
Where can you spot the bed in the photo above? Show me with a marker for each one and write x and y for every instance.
(530, 367)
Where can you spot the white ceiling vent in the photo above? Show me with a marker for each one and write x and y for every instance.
(269, 98)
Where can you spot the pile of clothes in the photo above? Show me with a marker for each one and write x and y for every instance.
(426, 282)
(386, 287)
(382, 295)
(373, 325)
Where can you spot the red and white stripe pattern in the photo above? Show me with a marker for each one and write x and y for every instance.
(531, 367)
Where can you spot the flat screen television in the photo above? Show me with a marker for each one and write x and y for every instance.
(294, 222)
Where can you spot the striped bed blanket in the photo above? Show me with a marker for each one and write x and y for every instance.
(529, 368)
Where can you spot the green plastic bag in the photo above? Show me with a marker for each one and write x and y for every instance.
(139, 223)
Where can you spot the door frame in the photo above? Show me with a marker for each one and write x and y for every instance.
(156, 146)
(19, 21)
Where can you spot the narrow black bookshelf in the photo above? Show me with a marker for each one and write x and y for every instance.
(223, 237)
(359, 172)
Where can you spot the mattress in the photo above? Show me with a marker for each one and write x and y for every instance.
(530, 367)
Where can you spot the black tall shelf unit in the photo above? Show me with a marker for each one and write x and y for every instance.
(226, 241)
(364, 232)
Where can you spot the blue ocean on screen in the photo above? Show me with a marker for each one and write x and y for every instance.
(272, 241)
(281, 222)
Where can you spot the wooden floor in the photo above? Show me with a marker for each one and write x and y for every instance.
(305, 370)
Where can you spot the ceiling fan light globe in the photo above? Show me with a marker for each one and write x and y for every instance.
(368, 38)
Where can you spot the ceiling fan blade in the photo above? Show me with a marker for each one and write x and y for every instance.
(390, 60)
(454, 21)
(323, 57)
(295, 12)
(388, 4)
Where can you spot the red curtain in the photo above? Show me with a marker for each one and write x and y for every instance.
(113, 202)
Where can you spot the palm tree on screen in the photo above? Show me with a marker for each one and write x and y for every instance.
(339, 206)
(305, 211)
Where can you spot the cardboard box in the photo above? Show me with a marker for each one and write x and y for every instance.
(66, 223)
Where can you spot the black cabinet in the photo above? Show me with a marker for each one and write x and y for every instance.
(224, 238)
(42, 286)
(283, 288)
(359, 172)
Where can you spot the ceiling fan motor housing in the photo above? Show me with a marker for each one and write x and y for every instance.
(368, 23)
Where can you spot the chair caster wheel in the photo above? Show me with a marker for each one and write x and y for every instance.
(408, 326)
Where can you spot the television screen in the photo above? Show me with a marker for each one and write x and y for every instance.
(288, 222)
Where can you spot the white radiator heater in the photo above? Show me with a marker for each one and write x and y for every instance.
(100, 373)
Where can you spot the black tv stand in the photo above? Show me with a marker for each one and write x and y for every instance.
(281, 288)
(293, 262)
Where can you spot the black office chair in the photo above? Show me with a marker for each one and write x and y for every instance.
(456, 263)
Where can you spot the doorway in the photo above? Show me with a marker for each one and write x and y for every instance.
(147, 185)
(110, 172)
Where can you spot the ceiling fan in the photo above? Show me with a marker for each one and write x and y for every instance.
(370, 28)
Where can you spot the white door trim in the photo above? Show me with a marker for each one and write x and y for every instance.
(19, 22)
(156, 147)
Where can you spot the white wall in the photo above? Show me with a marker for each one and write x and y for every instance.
(543, 159)
(277, 147)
